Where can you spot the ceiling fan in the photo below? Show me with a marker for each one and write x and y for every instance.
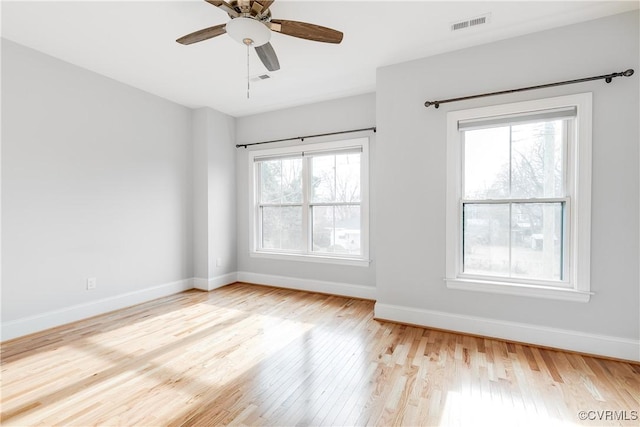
(251, 24)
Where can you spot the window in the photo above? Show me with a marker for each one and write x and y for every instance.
(518, 198)
(311, 202)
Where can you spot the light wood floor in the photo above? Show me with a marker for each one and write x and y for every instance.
(252, 355)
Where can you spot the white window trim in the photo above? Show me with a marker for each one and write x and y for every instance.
(360, 261)
(577, 288)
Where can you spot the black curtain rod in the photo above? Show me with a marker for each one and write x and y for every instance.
(606, 77)
(302, 138)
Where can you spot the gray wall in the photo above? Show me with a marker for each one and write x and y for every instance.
(214, 186)
(96, 182)
(411, 167)
(103, 180)
(349, 113)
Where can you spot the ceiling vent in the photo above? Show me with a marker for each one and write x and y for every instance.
(478, 20)
(260, 77)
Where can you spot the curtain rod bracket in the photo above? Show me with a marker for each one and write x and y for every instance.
(607, 78)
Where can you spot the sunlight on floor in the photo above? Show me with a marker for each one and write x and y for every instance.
(465, 409)
(248, 355)
(178, 364)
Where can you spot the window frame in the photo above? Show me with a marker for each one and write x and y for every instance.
(575, 287)
(307, 255)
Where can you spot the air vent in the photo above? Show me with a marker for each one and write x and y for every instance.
(260, 77)
(478, 20)
(459, 25)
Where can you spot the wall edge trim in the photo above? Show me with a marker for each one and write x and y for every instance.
(215, 282)
(309, 285)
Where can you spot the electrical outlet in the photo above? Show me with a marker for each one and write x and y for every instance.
(92, 282)
(218, 262)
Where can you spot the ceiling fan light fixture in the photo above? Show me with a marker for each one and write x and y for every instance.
(248, 31)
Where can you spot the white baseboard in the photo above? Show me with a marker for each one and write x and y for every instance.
(215, 282)
(28, 325)
(609, 346)
(334, 288)
(603, 345)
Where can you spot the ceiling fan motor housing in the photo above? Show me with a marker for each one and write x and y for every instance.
(251, 25)
(248, 31)
(245, 8)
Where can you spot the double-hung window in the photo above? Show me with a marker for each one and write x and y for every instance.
(310, 202)
(518, 198)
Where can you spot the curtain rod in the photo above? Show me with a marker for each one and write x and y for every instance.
(607, 77)
(302, 138)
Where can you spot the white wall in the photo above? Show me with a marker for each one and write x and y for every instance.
(411, 167)
(214, 198)
(96, 182)
(102, 180)
(200, 136)
(345, 114)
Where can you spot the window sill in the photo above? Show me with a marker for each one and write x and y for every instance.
(358, 262)
(519, 289)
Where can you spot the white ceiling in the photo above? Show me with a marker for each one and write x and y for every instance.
(134, 42)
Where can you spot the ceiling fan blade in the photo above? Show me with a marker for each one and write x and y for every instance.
(260, 8)
(205, 34)
(256, 8)
(268, 57)
(224, 6)
(307, 31)
(244, 5)
(265, 3)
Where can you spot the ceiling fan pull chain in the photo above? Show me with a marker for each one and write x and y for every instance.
(248, 71)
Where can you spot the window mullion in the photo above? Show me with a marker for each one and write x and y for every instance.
(511, 204)
(504, 201)
(461, 240)
(510, 160)
(279, 205)
(312, 204)
(306, 208)
(510, 238)
(257, 200)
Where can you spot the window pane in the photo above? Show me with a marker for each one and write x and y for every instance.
(536, 240)
(486, 239)
(281, 181)
(282, 228)
(486, 163)
(335, 178)
(336, 229)
(348, 177)
(323, 178)
(537, 159)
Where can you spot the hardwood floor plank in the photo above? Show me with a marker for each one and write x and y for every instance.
(252, 355)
